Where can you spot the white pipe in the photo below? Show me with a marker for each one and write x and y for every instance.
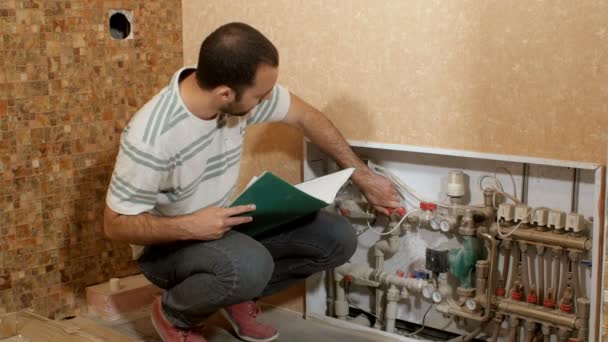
(364, 272)
(392, 298)
(382, 247)
(523, 247)
(540, 257)
(340, 304)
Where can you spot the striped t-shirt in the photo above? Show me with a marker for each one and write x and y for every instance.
(172, 163)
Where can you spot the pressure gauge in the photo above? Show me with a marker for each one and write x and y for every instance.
(471, 304)
(445, 226)
(435, 224)
(437, 297)
(427, 291)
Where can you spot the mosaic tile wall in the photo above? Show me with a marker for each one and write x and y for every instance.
(66, 92)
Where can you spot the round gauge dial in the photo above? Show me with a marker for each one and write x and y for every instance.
(427, 291)
(471, 304)
(445, 226)
(437, 297)
(435, 224)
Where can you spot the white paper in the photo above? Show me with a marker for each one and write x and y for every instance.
(326, 188)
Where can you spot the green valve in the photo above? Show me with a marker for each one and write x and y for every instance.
(462, 260)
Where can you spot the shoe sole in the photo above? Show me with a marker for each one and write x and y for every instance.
(156, 329)
(243, 337)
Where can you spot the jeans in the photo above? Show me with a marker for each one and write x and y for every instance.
(200, 277)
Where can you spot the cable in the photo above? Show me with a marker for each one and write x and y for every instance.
(347, 290)
(530, 214)
(392, 229)
(510, 175)
(423, 326)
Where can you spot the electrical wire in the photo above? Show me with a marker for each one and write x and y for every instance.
(369, 226)
(423, 324)
(347, 297)
(404, 189)
(530, 215)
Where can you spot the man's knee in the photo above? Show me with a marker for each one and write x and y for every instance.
(254, 270)
(339, 236)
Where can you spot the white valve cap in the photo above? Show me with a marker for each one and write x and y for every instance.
(456, 186)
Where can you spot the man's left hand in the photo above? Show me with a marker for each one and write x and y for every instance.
(379, 191)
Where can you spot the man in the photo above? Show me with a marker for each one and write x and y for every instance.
(176, 172)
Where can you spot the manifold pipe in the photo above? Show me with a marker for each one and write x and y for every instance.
(469, 336)
(549, 238)
(537, 313)
(540, 257)
(523, 248)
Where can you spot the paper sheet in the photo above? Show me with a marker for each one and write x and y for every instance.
(326, 188)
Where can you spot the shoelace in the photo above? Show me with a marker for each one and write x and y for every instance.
(254, 310)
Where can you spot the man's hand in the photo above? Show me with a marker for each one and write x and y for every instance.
(212, 223)
(379, 191)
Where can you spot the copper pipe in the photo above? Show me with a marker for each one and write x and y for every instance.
(532, 268)
(549, 238)
(564, 276)
(547, 261)
(535, 313)
(513, 328)
(498, 322)
(529, 331)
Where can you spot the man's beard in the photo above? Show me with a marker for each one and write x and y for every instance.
(233, 110)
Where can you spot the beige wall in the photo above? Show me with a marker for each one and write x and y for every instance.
(512, 77)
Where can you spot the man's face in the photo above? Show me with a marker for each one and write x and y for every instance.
(265, 79)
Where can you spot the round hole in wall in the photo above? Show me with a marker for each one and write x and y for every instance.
(120, 27)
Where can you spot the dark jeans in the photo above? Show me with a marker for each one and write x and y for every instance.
(200, 277)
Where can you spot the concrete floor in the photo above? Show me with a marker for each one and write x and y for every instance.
(292, 327)
(138, 328)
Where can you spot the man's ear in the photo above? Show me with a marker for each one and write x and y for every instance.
(224, 94)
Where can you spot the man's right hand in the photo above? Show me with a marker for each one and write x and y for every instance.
(212, 223)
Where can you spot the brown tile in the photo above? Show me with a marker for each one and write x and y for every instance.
(66, 93)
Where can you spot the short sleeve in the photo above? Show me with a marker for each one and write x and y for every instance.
(271, 110)
(138, 174)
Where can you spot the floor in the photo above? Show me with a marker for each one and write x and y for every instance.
(137, 327)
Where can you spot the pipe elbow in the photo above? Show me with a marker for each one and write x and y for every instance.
(390, 246)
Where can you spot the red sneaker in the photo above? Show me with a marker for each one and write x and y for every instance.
(169, 333)
(242, 317)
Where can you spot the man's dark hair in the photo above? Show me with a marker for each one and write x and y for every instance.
(231, 55)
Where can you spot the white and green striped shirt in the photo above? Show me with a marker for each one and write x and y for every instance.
(172, 163)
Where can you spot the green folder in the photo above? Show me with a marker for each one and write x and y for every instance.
(278, 202)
